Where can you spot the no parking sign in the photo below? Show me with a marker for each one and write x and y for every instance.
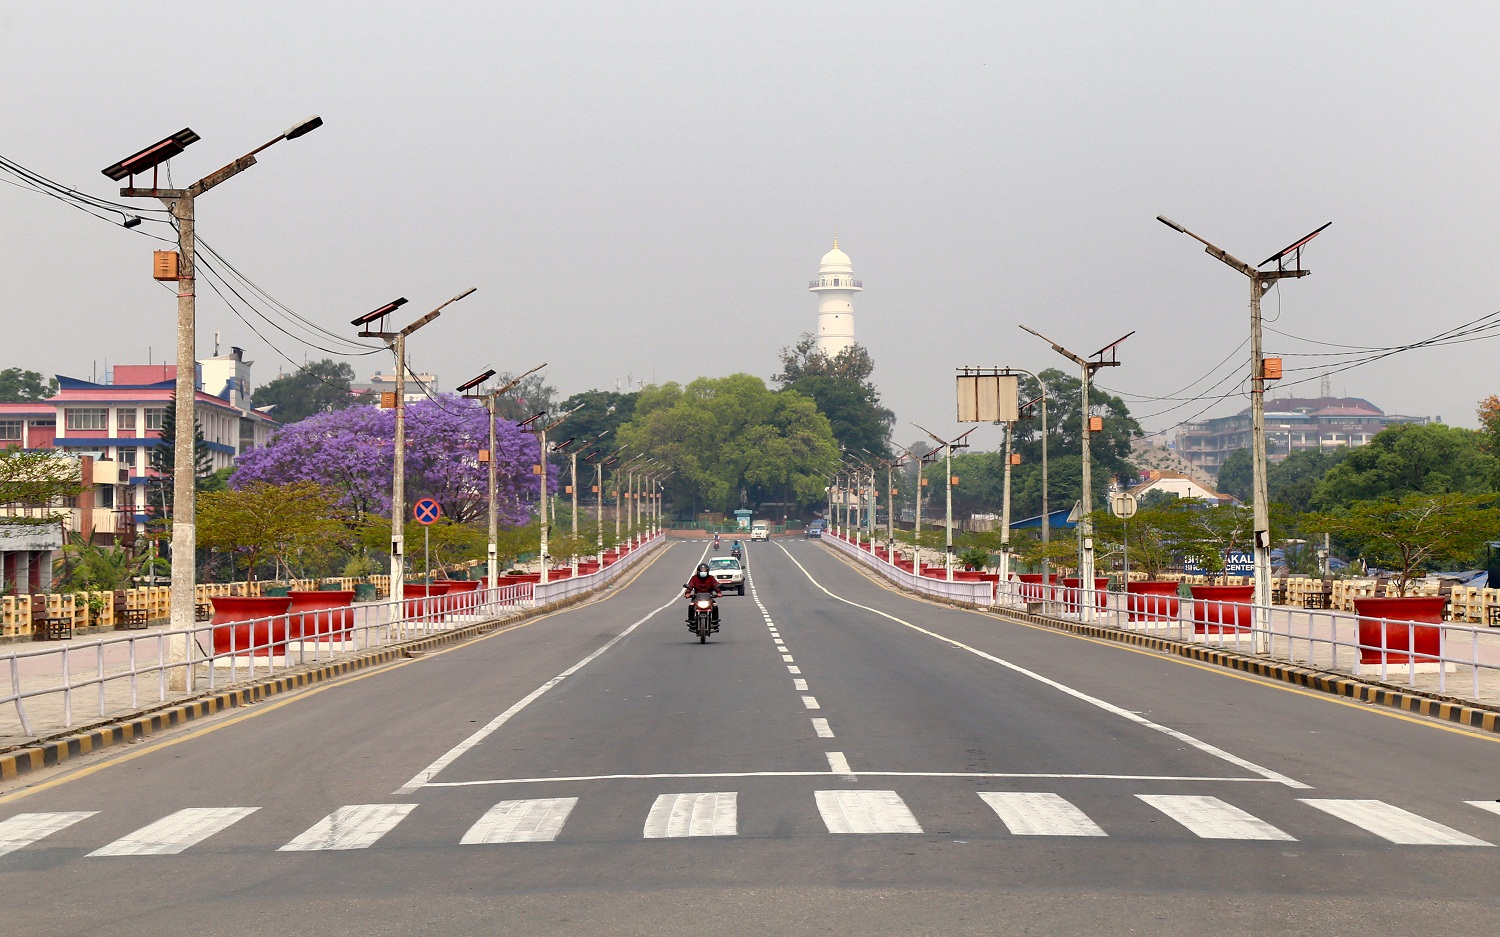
(426, 511)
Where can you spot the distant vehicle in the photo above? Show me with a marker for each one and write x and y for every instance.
(760, 532)
(729, 572)
(815, 532)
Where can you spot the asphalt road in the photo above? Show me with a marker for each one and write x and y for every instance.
(840, 759)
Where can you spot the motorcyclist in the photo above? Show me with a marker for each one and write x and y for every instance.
(735, 550)
(716, 541)
(702, 581)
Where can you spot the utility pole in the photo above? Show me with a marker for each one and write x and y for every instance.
(948, 447)
(544, 521)
(492, 561)
(181, 204)
(1260, 282)
(374, 327)
(1087, 367)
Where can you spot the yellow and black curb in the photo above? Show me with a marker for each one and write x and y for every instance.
(53, 751)
(1448, 709)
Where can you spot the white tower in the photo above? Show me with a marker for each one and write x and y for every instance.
(835, 287)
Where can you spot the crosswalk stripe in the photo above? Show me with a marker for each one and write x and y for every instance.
(1392, 823)
(714, 813)
(865, 812)
(521, 821)
(1212, 818)
(357, 826)
(175, 832)
(23, 829)
(1040, 814)
(1492, 806)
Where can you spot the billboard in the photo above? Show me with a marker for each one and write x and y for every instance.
(988, 398)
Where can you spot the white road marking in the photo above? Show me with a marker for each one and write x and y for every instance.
(794, 669)
(175, 832)
(811, 702)
(1212, 818)
(786, 658)
(838, 764)
(431, 771)
(1392, 823)
(799, 684)
(820, 726)
(1046, 776)
(1490, 805)
(23, 829)
(865, 812)
(708, 814)
(521, 821)
(1138, 719)
(357, 826)
(1040, 814)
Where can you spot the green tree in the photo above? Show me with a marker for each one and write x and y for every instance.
(314, 388)
(1408, 458)
(1155, 535)
(604, 412)
(1214, 531)
(1415, 529)
(18, 386)
(1293, 480)
(262, 521)
(841, 387)
(35, 481)
(1237, 476)
(532, 395)
(732, 440)
(92, 567)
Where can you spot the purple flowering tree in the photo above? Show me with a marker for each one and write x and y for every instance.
(351, 452)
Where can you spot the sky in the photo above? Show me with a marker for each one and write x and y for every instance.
(641, 190)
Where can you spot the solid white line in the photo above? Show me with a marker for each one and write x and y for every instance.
(821, 727)
(865, 812)
(23, 829)
(1212, 818)
(838, 764)
(1040, 814)
(1394, 824)
(878, 774)
(1183, 737)
(357, 826)
(800, 685)
(453, 754)
(811, 702)
(678, 815)
(175, 832)
(521, 821)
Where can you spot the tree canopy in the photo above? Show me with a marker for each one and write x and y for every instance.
(840, 386)
(604, 412)
(18, 386)
(733, 441)
(259, 521)
(1408, 458)
(34, 480)
(1404, 533)
(314, 388)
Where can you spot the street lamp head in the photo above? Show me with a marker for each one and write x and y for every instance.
(152, 155)
(385, 310)
(475, 382)
(131, 221)
(307, 126)
(1171, 224)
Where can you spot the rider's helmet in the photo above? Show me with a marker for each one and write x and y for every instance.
(703, 569)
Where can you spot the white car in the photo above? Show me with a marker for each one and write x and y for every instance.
(760, 532)
(729, 572)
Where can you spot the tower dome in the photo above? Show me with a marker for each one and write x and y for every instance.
(835, 287)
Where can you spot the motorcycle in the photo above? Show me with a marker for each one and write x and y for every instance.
(702, 614)
(716, 542)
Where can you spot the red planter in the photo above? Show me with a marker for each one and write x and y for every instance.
(1152, 601)
(587, 569)
(564, 572)
(1222, 609)
(1396, 640)
(510, 579)
(461, 585)
(423, 600)
(321, 615)
(967, 575)
(235, 626)
(1073, 597)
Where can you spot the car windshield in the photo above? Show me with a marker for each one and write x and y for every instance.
(724, 562)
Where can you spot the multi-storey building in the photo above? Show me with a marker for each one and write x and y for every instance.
(1293, 424)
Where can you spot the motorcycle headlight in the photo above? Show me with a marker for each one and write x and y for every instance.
(705, 604)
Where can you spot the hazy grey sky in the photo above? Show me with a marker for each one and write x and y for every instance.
(645, 188)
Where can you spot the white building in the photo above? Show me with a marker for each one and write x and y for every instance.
(835, 287)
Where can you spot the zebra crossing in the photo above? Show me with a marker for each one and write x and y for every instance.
(716, 814)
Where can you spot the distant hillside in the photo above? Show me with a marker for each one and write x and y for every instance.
(1144, 455)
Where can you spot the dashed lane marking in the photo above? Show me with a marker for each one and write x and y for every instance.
(821, 727)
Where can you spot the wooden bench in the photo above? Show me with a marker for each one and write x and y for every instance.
(133, 619)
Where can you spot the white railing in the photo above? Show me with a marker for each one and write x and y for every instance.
(1449, 658)
(56, 687)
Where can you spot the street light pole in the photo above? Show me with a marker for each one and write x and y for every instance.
(397, 343)
(181, 204)
(1087, 367)
(1260, 282)
(492, 556)
(948, 447)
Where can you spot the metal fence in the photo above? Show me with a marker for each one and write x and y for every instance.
(49, 688)
(1448, 658)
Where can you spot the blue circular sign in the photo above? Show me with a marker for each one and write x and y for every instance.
(426, 511)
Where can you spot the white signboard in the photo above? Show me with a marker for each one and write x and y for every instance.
(988, 398)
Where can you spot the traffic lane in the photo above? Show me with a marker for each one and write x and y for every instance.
(660, 702)
(900, 700)
(354, 741)
(1340, 747)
